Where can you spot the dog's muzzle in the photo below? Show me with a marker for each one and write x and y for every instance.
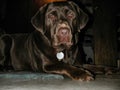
(63, 35)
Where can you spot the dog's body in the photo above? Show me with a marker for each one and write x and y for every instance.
(53, 47)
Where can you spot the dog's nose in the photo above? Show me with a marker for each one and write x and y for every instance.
(63, 32)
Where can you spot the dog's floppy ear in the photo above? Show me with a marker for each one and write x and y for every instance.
(82, 16)
(38, 19)
(83, 19)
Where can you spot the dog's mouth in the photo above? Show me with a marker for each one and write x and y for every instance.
(63, 37)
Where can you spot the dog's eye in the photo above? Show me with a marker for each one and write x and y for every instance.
(70, 15)
(51, 16)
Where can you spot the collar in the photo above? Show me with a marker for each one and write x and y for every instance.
(60, 56)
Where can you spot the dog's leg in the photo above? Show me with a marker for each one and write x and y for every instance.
(74, 73)
(101, 69)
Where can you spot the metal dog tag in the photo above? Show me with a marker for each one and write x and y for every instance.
(60, 56)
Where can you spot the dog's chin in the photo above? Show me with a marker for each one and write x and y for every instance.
(60, 46)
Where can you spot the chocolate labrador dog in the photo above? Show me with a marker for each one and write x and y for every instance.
(52, 47)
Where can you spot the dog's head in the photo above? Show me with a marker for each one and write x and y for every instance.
(60, 22)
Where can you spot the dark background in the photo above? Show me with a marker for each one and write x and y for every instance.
(101, 40)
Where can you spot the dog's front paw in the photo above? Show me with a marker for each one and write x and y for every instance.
(81, 75)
